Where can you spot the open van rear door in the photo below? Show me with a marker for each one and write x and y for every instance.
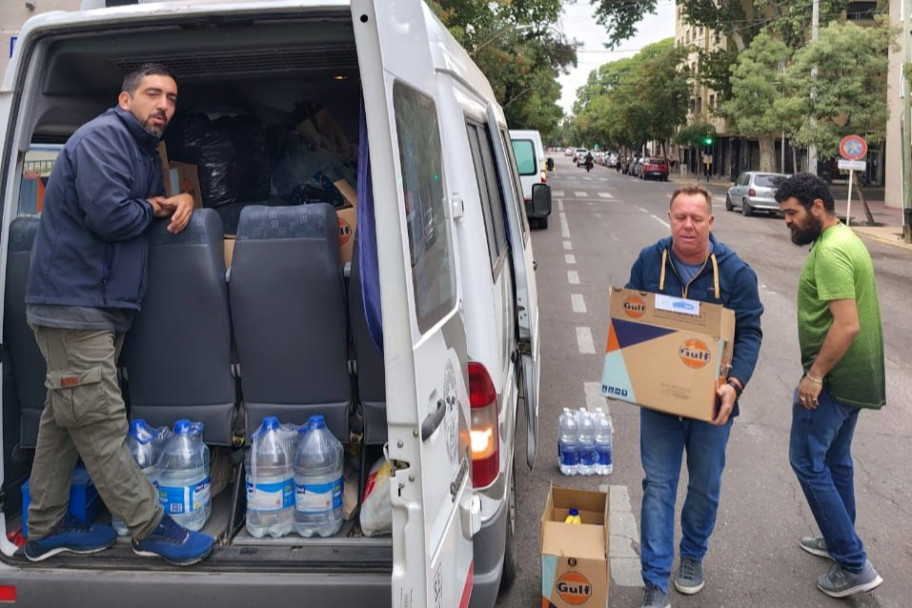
(526, 292)
(435, 511)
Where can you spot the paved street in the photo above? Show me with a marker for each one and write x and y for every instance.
(600, 222)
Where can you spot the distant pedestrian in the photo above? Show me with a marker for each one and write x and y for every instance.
(691, 263)
(841, 341)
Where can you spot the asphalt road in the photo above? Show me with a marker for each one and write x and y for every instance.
(599, 223)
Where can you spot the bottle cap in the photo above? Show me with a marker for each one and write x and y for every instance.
(270, 423)
(182, 427)
(317, 422)
(574, 511)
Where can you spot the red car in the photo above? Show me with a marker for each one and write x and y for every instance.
(654, 167)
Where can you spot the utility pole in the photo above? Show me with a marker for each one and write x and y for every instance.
(905, 122)
(815, 33)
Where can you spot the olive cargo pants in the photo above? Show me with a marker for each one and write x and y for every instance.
(84, 416)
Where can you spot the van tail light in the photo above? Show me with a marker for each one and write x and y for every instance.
(544, 176)
(7, 593)
(485, 423)
(752, 192)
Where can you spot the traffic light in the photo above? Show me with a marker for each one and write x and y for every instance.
(708, 140)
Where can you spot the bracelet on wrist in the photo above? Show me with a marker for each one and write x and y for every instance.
(736, 386)
(812, 378)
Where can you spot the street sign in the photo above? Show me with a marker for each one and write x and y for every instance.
(853, 147)
(851, 165)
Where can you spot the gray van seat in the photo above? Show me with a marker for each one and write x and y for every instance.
(371, 379)
(289, 314)
(21, 352)
(178, 352)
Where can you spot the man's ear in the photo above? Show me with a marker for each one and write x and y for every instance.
(817, 206)
(123, 100)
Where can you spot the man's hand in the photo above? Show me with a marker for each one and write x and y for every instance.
(808, 393)
(160, 207)
(727, 396)
(182, 206)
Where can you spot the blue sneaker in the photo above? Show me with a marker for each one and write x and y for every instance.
(71, 535)
(175, 544)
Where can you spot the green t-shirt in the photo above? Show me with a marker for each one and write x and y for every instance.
(839, 268)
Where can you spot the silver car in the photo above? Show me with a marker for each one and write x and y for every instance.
(754, 191)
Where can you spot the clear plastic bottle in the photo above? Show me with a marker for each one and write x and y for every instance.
(603, 443)
(270, 482)
(142, 441)
(587, 444)
(568, 443)
(317, 480)
(183, 476)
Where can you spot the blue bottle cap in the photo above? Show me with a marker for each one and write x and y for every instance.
(137, 425)
(574, 511)
(317, 422)
(182, 427)
(270, 423)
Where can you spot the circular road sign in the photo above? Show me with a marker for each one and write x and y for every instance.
(853, 147)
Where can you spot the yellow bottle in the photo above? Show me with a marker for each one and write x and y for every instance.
(573, 518)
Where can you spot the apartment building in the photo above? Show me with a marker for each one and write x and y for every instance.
(13, 13)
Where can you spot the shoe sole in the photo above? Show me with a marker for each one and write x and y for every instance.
(188, 562)
(853, 590)
(689, 590)
(59, 550)
(815, 551)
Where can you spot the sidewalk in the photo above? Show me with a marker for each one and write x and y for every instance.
(888, 221)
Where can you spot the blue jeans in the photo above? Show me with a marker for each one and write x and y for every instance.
(820, 452)
(663, 441)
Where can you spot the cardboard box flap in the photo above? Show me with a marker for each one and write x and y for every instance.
(573, 540)
(666, 311)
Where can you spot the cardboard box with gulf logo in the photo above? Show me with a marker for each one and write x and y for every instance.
(665, 353)
(574, 557)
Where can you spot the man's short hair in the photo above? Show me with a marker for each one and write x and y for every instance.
(806, 187)
(692, 189)
(131, 81)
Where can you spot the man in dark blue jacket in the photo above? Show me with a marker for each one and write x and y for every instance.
(691, 263)
(86, 282)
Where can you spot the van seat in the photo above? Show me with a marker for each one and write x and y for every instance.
(288, 309)
(371, 371)
(21, 352)
(178, 352)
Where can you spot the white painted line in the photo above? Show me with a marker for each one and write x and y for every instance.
(569, 258)
(624, 536)
(661, 221)
(590, 203)
(594, 397)
(598, 216)
(579, 304)
(557, 193)
(584, 341)
(580, 194)
(560, 205)
(568, 245)
(565, 228)
(573, 277)
(605, 195)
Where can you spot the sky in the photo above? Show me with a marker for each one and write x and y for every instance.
(578, 22)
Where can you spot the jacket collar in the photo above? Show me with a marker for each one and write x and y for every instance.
(143, 138)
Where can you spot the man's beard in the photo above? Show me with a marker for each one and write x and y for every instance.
(807, 233)
(156, 131)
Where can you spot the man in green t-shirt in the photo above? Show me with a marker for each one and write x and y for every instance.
(842, 354)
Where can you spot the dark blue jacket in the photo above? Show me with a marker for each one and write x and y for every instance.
(91, 247)
(737, 292)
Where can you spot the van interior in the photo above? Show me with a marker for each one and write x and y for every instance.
(269, 113)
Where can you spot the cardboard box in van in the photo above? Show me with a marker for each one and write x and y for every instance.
(180, 177)
(665, 353)
(574, 557)
(348, 220)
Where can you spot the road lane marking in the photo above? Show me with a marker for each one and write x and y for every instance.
(557, 193)
(579, 304)
(661, 221)
(594, 397)
(605, 195)
(580, 194)
(560, 205)
(573, 277)
(584, 341)
(565, 228)
(569, 258)
(568, 245)
(623, 537)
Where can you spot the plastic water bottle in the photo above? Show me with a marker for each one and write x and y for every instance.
(183, 476)
(144, 443)
(317, 480)
(270, 482)
(586, 444)
(568, 443)
(603, 440)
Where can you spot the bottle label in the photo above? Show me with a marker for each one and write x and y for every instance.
(270, 496)
(318, 497)
(178, 500)
(604, 455)
(568, 456)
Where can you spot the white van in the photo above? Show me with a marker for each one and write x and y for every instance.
(439, 298)
(530, 162)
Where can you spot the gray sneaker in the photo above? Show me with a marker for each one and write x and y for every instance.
(815, 546)
(839, 582)
(655, 597)
(689, 577)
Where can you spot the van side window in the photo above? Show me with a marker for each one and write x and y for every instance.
(36, 169)
(488, 189)
(420, 159)
(514, 179)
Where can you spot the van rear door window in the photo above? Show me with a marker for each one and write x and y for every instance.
(420, 158)
(525, 157)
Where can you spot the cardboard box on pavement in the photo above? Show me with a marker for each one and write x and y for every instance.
(574, 557)
(665, 353)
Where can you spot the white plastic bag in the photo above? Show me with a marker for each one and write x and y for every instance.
(376, 509)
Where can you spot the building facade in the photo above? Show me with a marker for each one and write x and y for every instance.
(13, 13)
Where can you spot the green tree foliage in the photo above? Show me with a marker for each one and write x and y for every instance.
(515, 44)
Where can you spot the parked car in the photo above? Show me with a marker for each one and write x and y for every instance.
(754, 191)
(653, 166)
(636, 166)
(579, 156)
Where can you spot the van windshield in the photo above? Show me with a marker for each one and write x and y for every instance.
(525, 156)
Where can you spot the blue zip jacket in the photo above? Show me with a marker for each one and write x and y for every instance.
(654, 271)
(92, 244)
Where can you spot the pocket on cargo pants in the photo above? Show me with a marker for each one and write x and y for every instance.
(78, 398)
